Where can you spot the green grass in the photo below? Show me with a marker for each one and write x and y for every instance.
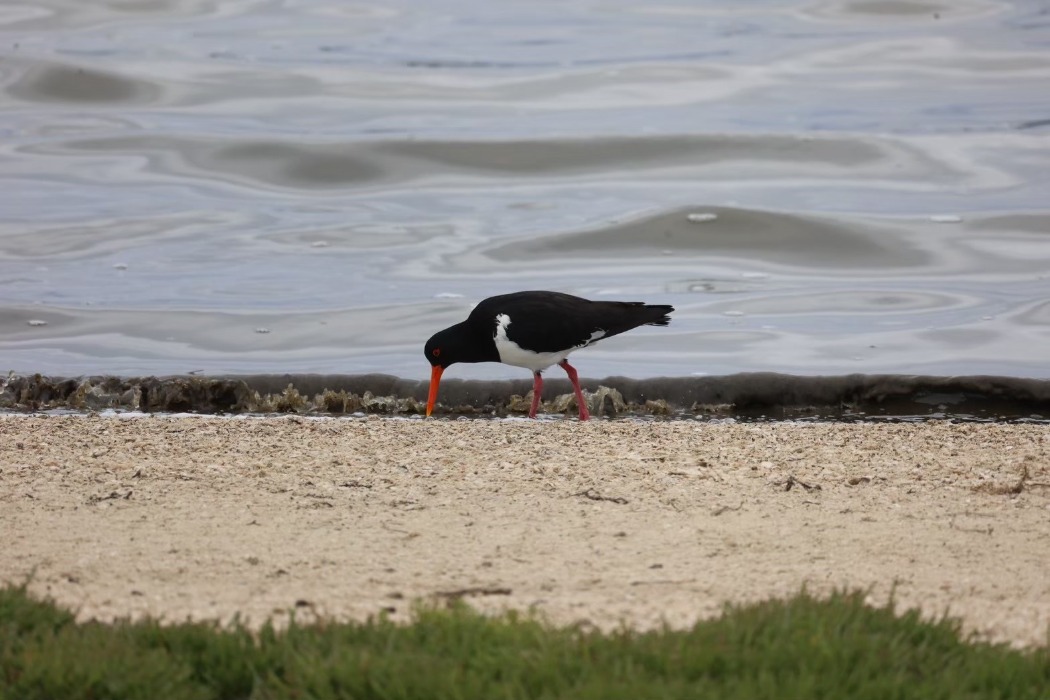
(801, 648)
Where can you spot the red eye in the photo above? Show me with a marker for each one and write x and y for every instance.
(436, 352)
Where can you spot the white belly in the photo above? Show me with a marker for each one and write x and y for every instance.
(510, 353)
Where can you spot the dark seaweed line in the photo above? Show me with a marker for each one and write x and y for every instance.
(747, 396)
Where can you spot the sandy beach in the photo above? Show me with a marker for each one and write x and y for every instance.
(609, 522)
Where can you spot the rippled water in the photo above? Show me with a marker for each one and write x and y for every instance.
(317, 186)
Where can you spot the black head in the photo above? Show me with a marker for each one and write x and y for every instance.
(460, 343)
(440, 350)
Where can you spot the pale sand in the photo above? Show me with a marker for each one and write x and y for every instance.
(212, 517)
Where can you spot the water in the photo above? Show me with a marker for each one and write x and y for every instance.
(317, 186)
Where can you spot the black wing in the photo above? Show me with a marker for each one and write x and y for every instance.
(552, 321)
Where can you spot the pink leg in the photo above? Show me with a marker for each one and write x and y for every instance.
(537, 389)
(575, 379)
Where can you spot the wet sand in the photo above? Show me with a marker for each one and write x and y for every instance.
(606, 522)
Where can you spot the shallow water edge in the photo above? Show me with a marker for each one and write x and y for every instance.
(751, 396)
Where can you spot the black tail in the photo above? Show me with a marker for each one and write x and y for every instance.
(664, 314)
(622, 316)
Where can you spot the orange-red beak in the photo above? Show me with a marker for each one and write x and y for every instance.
(435, 381)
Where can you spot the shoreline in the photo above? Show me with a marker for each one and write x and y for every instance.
(749, 395)
(606, 522)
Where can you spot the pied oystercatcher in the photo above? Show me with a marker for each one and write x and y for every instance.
(535, 330)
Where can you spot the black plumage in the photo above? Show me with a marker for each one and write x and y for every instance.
(535, 329)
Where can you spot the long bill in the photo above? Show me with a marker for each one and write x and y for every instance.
(435, 381)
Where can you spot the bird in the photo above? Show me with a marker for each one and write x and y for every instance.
(535, 330)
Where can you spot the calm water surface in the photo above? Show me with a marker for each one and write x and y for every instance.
(317, 186)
